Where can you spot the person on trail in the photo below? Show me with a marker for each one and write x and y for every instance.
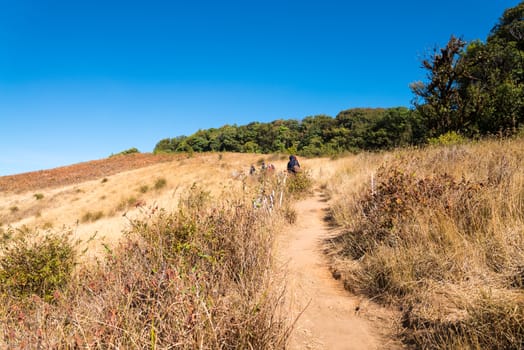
(293, 166)
(252, 170)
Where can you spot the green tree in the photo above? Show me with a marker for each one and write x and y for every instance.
(228, 139)
(492, 87)
(169, 145)
(438, 101)
(478, 89)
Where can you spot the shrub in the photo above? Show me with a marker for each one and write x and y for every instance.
(92, 216)
(448, 139)
(399, 196)
(299, 185)
(143, 188)
(160, 183)
(38, 196)
(290, 214)
(5, 235)
(127, 203)
(36, 265)
(127, 151)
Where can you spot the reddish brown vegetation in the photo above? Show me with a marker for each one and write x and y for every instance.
(75, 173)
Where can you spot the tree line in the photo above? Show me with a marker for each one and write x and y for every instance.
(351, 130)
(472, 89)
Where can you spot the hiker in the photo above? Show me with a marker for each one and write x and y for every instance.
(293, 166)
(252, 170)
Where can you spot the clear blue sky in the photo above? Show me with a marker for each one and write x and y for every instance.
(82, 79)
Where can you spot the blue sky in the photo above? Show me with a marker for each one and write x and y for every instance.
(80, 80)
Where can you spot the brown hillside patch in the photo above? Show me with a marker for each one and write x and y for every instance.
(80, 172)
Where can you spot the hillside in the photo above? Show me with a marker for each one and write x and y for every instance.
(91, 197)
(80, 172)
(433, 233)
(97, 201)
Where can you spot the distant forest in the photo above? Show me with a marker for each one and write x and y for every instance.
(471, 90)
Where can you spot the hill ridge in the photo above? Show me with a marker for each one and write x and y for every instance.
(79, 172)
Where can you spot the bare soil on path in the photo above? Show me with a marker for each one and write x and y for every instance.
(329, 317)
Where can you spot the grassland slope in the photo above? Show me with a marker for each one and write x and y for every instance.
(71, 174)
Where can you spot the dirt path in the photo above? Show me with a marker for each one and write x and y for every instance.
(331, 317)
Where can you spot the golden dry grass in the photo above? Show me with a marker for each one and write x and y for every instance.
(438, 232)
(97, 206)
(193, 268)
(440, 235)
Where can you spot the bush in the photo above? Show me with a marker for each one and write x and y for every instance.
(126, 203)
(299, 185)
(388, 210)
(448, 139)
(36, 265)
(92, 216)
(127, 151)
(160, 183)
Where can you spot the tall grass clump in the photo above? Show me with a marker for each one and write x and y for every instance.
(439, 233)
(199, 277)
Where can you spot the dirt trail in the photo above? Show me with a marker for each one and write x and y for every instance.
(331, 317)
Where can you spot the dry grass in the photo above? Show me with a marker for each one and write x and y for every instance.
(440, 234)
(199, 276)
(117, 194)
(185, 263)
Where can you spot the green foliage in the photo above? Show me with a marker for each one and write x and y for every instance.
(320, 135)
(36, 265)
(439, 100)
(476, 89)
(169, 145)
(38, 196)
(127, 151)
(448, 139)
